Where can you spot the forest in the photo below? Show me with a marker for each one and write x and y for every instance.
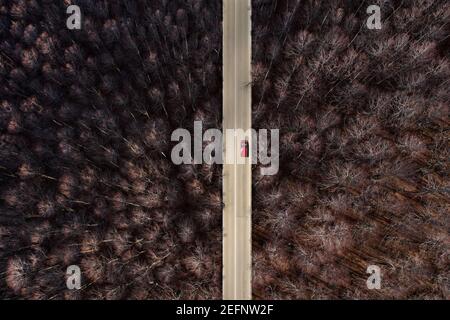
(364, 149)
(86, 176)
(85, 172)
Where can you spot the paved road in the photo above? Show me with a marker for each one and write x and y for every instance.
(236, 177)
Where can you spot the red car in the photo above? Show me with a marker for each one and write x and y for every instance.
(244, 149)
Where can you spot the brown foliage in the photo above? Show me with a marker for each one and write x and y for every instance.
(85, 170)
(361, 113)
